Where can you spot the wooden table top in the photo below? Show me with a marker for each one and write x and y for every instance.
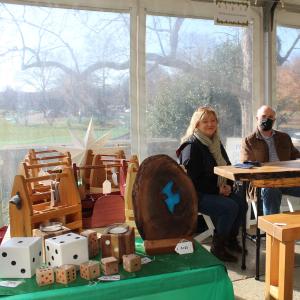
(281, 173)
(283, 227)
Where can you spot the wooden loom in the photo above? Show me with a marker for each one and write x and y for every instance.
(26, 216)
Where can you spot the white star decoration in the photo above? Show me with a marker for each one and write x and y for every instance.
(79, 147)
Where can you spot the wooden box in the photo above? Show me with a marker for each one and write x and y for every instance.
(118, 245)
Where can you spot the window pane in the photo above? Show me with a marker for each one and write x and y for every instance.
(59, 68)
(288, 82)
(192, 62)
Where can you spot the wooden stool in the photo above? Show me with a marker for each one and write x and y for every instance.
(281, 230)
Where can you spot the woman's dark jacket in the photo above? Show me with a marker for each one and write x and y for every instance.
(200, 163)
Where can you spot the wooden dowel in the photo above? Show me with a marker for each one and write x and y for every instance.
(53, 164)
(46, 177)
(51, 157)
(44, 151)
(97, 167)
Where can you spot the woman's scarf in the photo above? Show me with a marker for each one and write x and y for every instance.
(214, 146)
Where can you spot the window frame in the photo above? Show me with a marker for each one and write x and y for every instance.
(139, 9)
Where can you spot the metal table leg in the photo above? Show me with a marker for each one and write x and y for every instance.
(258, 194)
(243, 266)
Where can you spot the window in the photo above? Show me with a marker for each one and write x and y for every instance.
(192, 62)
(58, 68)
(288, 81)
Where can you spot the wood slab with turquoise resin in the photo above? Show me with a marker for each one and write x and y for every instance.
(165, 204)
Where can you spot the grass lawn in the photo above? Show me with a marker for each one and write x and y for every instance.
(12, 134)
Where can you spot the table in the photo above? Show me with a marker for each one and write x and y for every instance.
(272, 174)
(169, 276)
(280, 253)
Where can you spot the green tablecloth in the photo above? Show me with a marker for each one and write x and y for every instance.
(171, 276)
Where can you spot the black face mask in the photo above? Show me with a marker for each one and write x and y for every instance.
(266, 124)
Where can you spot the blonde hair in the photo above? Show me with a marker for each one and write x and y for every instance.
(198, 115)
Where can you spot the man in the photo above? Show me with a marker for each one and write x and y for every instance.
(266, 145)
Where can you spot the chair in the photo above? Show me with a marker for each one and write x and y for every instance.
(208, 232)
(210, 226)
(251, 207)
(290, 203)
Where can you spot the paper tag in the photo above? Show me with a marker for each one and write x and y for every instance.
(11, 284)
(279, 224)
(184, 247)
(106, 186)
(114, 178)
(110, 278)
(145, 260)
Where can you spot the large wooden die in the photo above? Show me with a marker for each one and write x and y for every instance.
(20, 257)
(90, 270)
(65, 274)
(117, 245)
(109, 265)
(70, 248)
(44, 276)
(93, 243)
(132, 263)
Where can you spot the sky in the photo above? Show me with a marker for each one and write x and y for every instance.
(84, 33)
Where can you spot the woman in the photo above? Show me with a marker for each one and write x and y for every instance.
(201, 150)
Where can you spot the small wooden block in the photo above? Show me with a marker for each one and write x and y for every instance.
(132, 263)
(90, 270)
(44, 276)
(109, 265)
(65, 274)
(93, 244)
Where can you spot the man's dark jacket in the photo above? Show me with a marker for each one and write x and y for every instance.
(254, 147)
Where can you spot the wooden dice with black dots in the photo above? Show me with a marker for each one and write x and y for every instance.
(70, 248)
(132, 263)
(90, 270)
(93, 244)
(65, 274)
(20, 257)
(44, 275)
(109, 265)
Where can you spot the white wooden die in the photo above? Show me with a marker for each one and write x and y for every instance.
(20, 257)
(70, 248)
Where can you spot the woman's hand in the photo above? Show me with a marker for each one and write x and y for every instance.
(225, 190)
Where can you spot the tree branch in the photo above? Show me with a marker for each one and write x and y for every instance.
(282, 59)
(170, 61)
